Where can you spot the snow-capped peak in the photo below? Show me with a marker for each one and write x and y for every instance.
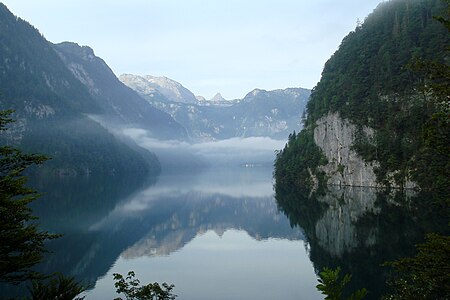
(171, 89)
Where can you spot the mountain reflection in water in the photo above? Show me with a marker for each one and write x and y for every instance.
(222, 233)
(226, 218)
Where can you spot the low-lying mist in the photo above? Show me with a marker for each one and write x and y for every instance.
(250, 151)
(175, 154)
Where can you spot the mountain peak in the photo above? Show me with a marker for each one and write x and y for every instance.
(171, 89)
(76, 48)
(217, 98)
(200, 98)
(255, 92)
(84, 52)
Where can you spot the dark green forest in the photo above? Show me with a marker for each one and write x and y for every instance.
(392, 74)
(51, 109)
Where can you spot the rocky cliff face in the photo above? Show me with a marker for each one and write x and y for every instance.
(370, 82)
(335, 137)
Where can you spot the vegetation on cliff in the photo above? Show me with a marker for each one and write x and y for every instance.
(392, 74)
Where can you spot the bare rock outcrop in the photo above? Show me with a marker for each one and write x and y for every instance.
(335, 136)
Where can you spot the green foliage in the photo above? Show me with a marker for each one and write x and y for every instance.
(299, 160)
(392, 74)
(81, 146)
(22, 243)
(51, 104)
(373, 60)
(332, 286)
(424, 276)
(58, 287)
(152, 291)
(433, 159)
(341, 168)
(5, 118)
(433, 163)
(30, 66)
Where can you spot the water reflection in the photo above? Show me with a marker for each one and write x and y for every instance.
(232, 266)
(360, 228)
(182, 228)
(106, 222)
(71, 203)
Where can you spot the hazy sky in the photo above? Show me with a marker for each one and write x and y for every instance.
(227, 46)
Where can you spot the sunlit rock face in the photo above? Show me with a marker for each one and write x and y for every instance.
(335, 136)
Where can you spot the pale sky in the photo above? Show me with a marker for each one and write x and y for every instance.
(209, 46)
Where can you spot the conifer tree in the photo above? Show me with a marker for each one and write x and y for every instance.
(22, 243)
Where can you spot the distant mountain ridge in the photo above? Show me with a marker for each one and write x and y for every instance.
(260, 113)
(66, 98)
(148, 85)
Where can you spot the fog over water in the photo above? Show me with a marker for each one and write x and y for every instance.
(236, 151)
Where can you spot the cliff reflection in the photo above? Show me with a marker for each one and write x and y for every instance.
(336, 230)
(359, 228)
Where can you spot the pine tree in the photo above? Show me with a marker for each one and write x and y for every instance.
(22, 243)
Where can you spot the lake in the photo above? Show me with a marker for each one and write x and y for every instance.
(222, 233)
(215, 234)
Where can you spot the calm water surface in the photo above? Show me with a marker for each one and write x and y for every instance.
(225, 234)
(215, 234)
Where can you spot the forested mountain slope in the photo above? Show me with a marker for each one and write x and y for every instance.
(119, 104)
(51, 107)
(380, 114)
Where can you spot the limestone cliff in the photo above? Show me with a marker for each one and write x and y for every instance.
(376, 117)
(335, 137)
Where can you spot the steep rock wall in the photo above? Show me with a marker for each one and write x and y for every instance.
(345, 167)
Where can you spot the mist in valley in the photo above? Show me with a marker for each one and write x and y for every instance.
(237, 151)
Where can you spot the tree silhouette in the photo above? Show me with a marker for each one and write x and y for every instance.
(22, 243)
